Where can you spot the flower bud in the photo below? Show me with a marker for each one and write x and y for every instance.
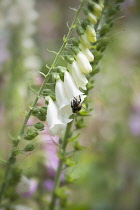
(87, 53)
(70, 87)
(91, 34)
(83, 63)
(29, 147)
(79, 78)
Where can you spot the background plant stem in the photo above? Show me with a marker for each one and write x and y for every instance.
(9, 163)
(60, 166)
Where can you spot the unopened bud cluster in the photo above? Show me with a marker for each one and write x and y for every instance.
(74, 76)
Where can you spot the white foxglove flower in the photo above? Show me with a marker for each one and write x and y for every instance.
(91, 34)
(83, 63)
(71, 88)
(79, 78)
(87, 53)
(62, 99)
(84, 40)
(55, 120)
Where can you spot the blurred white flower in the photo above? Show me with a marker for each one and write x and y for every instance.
(83, 63)
(79, 78)
(23, 185)
(21, 207)
(32, 62)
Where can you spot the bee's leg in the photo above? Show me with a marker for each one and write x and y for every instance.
(79, 98)
(85, 108)
(71, 105)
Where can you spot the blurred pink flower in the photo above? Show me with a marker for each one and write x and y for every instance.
(48, 184)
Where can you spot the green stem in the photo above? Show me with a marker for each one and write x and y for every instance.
(60, 166)
(9, 164)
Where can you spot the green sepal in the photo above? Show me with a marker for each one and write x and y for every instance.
(47, 92)
(61, 192)
(12, 160)
(85, 23)
(112, 11)
(77, 146)
(29, 147)
(95, 71)
(60, 154)
(75, 50)
(89, 85)
(43, 110)
(69, 162)
(80, 30)
(97, 56)
(73, 138)
(31, 134)
(80, 123)
(15, 151)
(16, 175)
(15, 142)
(69, 59)
(104, 30)
(75, 41)
(39, 126)
(41, 117)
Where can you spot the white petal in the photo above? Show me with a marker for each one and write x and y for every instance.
(70, 87)
(83, 63)
(60, 94)
(55, 119)
(78, 76)
(84, 40)
(87, 53)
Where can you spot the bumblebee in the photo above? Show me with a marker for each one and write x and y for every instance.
(76, 105)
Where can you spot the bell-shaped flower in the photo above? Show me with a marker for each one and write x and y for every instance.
(71, 88)
(78, 77)
(84, 40)
(83, 63)
(62, 99)
(87, 53)
(55, 119)
(91, 34)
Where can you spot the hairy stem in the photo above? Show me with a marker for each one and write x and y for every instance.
(60, 167)
(9, 164)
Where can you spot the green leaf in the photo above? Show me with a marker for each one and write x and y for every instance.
(73, 138)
